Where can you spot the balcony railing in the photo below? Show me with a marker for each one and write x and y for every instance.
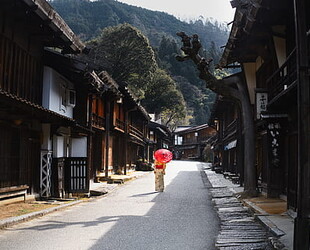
(231, 129)
(120, 124)
(284, 78)
(192, 140)
(195, 140)
(97, 121)
(135, 132)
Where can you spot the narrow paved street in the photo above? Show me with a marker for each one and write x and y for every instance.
(131, 217)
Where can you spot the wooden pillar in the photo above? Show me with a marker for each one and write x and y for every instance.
(91, 172)
(126, 140)
(239, 156)
(107, 134)
(302, 221)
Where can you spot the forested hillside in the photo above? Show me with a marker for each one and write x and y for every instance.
(88, 18)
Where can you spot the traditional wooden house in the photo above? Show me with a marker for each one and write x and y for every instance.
(122, 131)
(261, 43)
(28, 27)
(270, 40)
(27, 117)
(190, 142)
(137, 131)
(73, 170)
(62, 124)
(106, 116)
(228, 156)
(159, 136)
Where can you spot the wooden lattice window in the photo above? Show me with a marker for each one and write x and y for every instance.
(20, 73)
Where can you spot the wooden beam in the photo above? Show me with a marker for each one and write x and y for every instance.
(302, 221)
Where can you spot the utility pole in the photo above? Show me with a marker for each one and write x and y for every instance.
(302, 221)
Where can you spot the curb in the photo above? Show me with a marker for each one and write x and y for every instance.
(255, 208)
(262, 217)
(268, 224)
(22, 218)
(18, 219)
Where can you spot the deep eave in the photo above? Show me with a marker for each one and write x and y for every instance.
(251, 29)
(193, 129)
(17, 107)
(54, 21)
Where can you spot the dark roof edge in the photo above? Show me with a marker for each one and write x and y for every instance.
(46, 12)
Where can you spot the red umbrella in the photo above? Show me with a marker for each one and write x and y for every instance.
(163, 155)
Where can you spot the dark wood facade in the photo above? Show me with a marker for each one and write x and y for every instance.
(270, 41)
(159, 136)
(226, 144)
(62, 125)
(21, 87)
(190, 143)
(268, 59)
(121, 130)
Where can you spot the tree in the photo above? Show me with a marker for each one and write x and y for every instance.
(125, 53)
(199, 100)
(162, 97)
(235, 88)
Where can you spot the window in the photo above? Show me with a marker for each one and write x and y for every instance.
(71, 97)
(68, 97)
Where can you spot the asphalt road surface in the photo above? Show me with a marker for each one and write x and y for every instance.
(133, 216)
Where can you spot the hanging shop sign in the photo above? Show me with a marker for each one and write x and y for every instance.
(261, 103)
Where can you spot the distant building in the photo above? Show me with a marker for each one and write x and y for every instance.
(189, 142)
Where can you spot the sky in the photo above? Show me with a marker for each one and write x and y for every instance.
(220, 10)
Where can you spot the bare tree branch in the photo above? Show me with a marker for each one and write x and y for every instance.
(235, 88)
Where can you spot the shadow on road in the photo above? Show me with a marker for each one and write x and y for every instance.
(182, 217)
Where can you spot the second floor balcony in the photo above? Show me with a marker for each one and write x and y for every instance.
(284, 79)
(231, 130)
(135, 132)
(195, 140)
(97, 121)
(120, 125)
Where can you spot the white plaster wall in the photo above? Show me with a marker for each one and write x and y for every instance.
(280, 45)
(250, 76)
(46, 140)
(259, 62)
(52, 92)
(58, 146)
(79, 147)
(47, 78)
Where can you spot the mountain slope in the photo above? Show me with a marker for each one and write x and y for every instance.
(87, 19)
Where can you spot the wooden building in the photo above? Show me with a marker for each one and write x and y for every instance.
(27, 28)
(67, 85)
(228, 156)
(262, 44)
(270, 41)
(62, 124)
(102, 122)
(190, 143)
(159, 136)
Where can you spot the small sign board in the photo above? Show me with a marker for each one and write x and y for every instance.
(261, 103)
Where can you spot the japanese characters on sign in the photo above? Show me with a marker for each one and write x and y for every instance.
(261, 103)
(274, 131)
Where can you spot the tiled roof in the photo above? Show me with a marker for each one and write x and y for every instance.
(193, 129)
(5, 96)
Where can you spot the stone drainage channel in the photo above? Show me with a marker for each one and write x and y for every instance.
(238, 228)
